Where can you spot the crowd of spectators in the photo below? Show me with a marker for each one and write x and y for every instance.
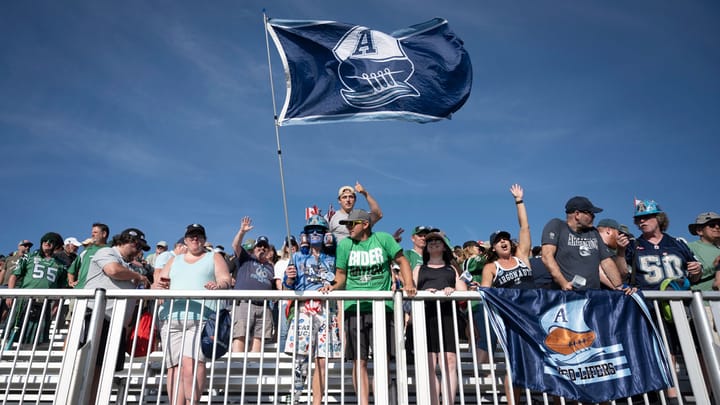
(342, 251)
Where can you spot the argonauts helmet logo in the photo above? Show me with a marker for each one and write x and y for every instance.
(566, 330)
(373, 68)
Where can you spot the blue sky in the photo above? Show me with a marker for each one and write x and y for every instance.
(159, 114)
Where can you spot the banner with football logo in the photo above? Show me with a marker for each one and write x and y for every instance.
(347, 72)
(590, 346)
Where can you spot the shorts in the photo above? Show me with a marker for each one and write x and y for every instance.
(120, 361)
(260, 321)
(315, 331)
(172, 333)
(365, 325)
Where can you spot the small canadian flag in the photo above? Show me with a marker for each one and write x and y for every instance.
(330, 213)
(310, 211)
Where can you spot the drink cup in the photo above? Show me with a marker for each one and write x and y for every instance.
(578, 282)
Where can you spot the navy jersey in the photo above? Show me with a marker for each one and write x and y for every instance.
(654, 263)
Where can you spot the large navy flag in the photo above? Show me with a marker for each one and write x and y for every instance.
(346, 72)
(591, 346)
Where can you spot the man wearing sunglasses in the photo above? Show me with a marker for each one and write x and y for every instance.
(707, 248)
(109, 269)
(363, 263)
(572, 249)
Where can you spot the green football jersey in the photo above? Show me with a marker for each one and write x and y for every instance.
(40, 272)
(367, 265)
(81, 264)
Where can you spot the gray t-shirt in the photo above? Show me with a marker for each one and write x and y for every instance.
(577, 253)
(340, 231)
(97, 278)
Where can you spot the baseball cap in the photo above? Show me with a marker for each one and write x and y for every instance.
(344, 189)
(484, 244)
(624, 229)
(702, 219)
(356, 215)
(293, 242)
(180, 241)
(195, 229)
(249, 244)
(136, 235)
(608, 223)
(580, 203)
(162, 243)
(470, 243)
(72, 241)
(497, 235)
(421, 229)
(25, 242)
(262, 240)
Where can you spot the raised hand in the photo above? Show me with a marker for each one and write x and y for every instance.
(246, 224)
(517, 192)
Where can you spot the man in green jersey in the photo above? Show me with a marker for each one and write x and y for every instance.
(39, 269)
(363, 263)
(414, 255)
(77, 273)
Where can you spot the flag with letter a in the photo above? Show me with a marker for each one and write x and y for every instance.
(345, 72)
(591, 346)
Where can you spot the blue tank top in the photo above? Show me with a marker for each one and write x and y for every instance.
(187, 276)
(519, 276)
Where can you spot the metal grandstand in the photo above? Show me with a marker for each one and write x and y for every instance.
(60, 371)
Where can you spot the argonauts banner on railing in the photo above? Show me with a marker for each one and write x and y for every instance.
(346, 72)
(591, 346)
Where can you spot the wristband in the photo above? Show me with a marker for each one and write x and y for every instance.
(519, 202)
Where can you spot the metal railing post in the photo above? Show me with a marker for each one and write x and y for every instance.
(73, 386)
(400, 354)
(704, 334)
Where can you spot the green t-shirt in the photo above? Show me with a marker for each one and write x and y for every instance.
(413, 257)
(40, 272)
(367, 266)
(706, 254)
(81, 264)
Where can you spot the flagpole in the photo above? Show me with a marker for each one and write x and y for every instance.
(277, 133)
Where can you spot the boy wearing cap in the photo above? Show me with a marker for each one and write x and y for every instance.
(573, 248)
(363, 263)
(347, 199)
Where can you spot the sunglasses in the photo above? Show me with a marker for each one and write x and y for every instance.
(713, 224)
(353, 223)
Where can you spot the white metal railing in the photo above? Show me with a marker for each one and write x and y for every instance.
(60, 370)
